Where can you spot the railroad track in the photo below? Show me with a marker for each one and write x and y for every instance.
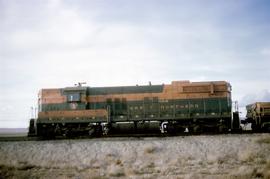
(137, 136)
(18, 138)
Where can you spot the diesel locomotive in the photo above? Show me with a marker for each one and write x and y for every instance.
(175, 107)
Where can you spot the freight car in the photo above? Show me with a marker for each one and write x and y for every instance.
(175, 107)
(258, 114)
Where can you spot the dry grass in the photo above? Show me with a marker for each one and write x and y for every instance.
(116, 171)
(266, 171)
(265, 140)
(222, 156)
(6, 171)
(149, 149)
(246, 155)
(118, 162)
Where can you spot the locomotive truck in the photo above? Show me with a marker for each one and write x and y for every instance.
(175, 107)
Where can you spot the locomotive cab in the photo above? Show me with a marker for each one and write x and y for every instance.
(76, 97)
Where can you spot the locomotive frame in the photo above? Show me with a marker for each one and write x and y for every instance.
(198, 106)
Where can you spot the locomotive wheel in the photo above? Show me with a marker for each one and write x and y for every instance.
(91, 132)
(106, 129)
(267, 128)
(66, 132)
(195, 129)
(222, 129)
(181, 129)
(98, 130)
(255, 127)
(47, 133)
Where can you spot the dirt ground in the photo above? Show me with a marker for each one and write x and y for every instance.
(205, 156)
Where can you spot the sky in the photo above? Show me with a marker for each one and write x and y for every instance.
(57, 43)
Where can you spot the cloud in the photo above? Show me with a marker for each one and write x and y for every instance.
(105, 43)
(261, 96)
(58, 28)
(266, 52)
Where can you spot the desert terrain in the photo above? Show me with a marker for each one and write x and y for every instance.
(203, 156)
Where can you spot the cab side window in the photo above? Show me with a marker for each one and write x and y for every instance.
(74, 97)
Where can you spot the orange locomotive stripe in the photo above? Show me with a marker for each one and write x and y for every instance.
(176, 90)
(76, 113)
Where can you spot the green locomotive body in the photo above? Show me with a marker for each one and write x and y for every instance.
(171, 107)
